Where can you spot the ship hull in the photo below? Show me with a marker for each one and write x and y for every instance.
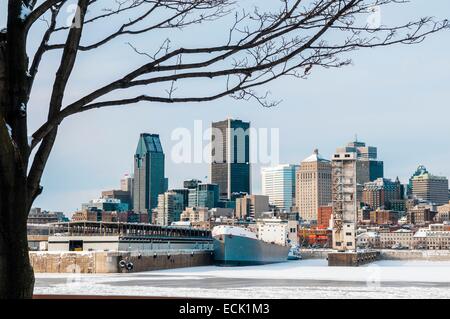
(242, 251)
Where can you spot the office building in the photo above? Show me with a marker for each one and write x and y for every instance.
(278, 183)
(170, 207)
(251, 206)
(123, 196)
(230, 151)
(382, 193)
(433, 189)
(313, 186)
(370, 167)
(204, 195)
(149, 178)
(420, 215)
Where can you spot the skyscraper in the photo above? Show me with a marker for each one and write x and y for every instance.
(230, 165)
(313, 186)
(278, 183)
(149, 180)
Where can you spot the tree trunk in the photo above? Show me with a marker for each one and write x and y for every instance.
(16, 273)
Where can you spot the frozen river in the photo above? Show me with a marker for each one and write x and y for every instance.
(296, 279)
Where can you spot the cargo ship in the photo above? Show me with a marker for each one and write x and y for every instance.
(238, 246)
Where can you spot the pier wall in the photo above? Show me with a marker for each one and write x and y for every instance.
(351, 259)
(109, 262)
(431, 255)
(387, 254)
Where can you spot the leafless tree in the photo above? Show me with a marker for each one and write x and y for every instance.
(289, 38)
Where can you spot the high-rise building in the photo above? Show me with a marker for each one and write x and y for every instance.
(230, 165)
(433, 189)
(370, 167)
(278, 183)
(313, 186)
(170, 207)
(149, 180)
(126, 183)
(251, 206)
(382, 193)
(184, 192)
(204, 195)
(344, 196)
(421, 170)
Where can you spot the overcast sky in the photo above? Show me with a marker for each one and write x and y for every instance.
(395, 98)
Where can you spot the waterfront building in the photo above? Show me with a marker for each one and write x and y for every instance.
(313, 186)
(431, 188)
(400, 237)
(344, 198)
(278, 183)
(273, 231)
(39, 216)
(368, 239)
(169, 209)
(230, 151)
(435, 237)
(315, 237)
(251, 206)
(149, 180)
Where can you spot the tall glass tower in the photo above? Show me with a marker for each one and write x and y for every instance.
(230, 167)
(149, 180)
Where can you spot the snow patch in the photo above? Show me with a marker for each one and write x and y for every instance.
(24, 12)
(9, 130)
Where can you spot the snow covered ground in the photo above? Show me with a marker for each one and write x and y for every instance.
(298, 279)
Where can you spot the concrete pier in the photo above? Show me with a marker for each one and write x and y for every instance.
(116, 262)
(351, 259)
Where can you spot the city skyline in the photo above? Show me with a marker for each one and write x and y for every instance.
(259, 176)
(388, 90)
